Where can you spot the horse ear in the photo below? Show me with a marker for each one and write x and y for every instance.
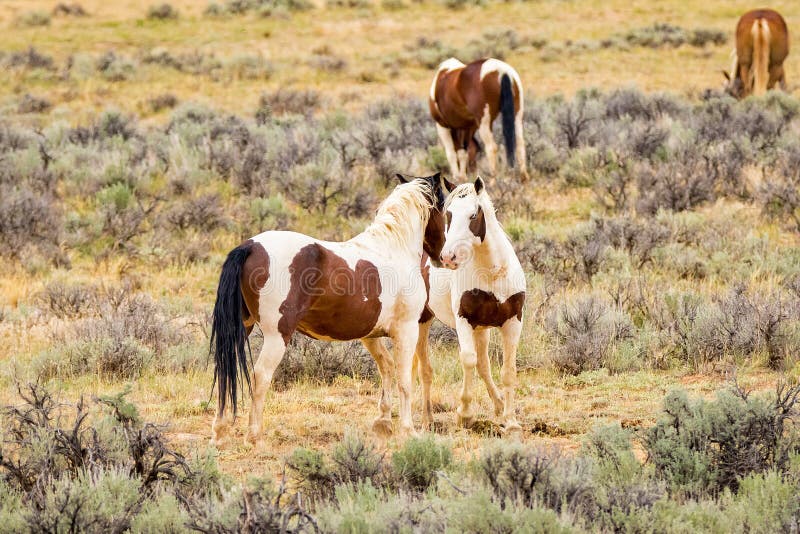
(447, 185)
(479, 186)
(403, 179)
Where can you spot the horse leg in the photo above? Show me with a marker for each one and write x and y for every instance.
(220, 427)
(422, 357)
(446, 137)
(405, 340)
(747, 83)
(485, 131)
(510, 331)
(382, 425)
(469, 359)
(485, 369)
(776, 77)
(472, 153)
(271, 355)
(463, 154)
(520, 152)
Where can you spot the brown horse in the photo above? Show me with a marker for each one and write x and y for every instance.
(762, 44)
(465, 99)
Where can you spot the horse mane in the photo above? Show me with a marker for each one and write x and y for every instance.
(392, 220)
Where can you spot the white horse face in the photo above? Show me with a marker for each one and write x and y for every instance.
(466, 227)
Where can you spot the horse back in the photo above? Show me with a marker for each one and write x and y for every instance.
(779, 35)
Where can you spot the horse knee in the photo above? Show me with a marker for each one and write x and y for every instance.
(469, 358)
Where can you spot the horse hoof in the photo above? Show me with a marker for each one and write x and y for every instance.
(382, 427)
(466, 421)
(409, 432)
(512, 430)
(253, 436)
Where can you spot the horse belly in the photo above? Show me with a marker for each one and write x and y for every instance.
(340, 320)
(439, 298)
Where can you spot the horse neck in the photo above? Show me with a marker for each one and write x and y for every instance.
(495, 248)
(378, 236)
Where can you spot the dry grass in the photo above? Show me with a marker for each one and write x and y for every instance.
(553, 409)
(365, 38)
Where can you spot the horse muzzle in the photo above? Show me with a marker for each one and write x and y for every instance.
(449, 261)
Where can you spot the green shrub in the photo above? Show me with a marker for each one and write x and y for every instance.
(163, 514)
(355, 461)
(311, 474)
(701, 448)
(417, 463)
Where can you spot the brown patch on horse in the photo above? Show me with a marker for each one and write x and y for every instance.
(482, 308)
(255, 273)
(478, 225)
(427, 313)
(328, 299)
(434, 239)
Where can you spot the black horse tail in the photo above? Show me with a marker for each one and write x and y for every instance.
(507, 112)
(228, 334)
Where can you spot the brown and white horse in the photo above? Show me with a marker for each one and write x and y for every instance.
(483, 287)
(465, 99)
(366, 288)
(762, 44)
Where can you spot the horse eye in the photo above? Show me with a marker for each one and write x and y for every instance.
(474, 216)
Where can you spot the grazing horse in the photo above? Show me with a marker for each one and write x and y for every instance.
(762, 44)
(366, 288)
(482, 287)
(465, 99)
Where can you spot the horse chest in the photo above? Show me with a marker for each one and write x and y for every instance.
(482, 308)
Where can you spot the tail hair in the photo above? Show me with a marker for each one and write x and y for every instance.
(761, 44)
(228, 333)
(507, 113)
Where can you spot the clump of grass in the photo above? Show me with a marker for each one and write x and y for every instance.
(324, 59)
(115, 68)
(322, 362)
(31, 59)
(283, 101)
(74, 9)
(393, 5)
(33, 104)
(118, 338)
(585, 332)
(417, 463)
(33, 19)
(263, 7)
(163, 11)
(458, 5)
(662, 34)
(161, 102)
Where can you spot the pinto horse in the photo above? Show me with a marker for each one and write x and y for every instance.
(762, 44)
(366, 288)
(465, 99)
(482, 287)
